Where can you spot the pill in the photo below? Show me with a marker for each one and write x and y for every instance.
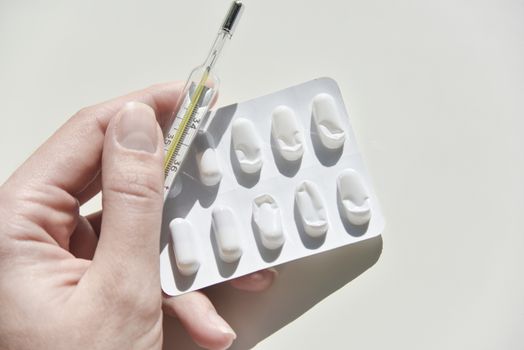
(185, 246)
(327, 120)
(227, 235)
(267, 217)
(287, 133)
(247, 145)
(208, 165)
(311, 208)
(354, 197)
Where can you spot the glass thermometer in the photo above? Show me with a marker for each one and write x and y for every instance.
(198, 93)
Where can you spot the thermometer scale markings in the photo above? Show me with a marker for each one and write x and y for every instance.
(182, 131)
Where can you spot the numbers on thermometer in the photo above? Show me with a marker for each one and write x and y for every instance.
(183, 130)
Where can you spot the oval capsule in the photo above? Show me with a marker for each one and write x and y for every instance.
(185, 247)
(227, 235)
(208, 165)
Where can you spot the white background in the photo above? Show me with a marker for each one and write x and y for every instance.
(435, 90)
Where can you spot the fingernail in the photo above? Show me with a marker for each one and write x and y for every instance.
(256, 276)
(262, 275)
(222, 326)
(137, 127)
(274, 272)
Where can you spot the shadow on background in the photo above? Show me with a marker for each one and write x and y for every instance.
(300, 285)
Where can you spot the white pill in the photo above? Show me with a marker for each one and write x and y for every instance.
(226, 229)
(311, 208)
(267, 217)
(208, 165)
(327, 120)
(287, 133)
(354, 197)
(247, 145)
(185, 247)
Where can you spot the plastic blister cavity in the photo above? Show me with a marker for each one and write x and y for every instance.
(227, 235)
(185, 246)
(267, 217)
(287, 133)
(311, 208)
(246, 145)
(208, 165)
(327, 121)
(207, 160)
(353, 197)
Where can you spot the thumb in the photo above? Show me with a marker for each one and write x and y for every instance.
(132, 198)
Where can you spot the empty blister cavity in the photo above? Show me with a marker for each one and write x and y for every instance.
(311, 208)
(287, 133)
(185, 246)
(327, 121)
(227, 235)
(354, 197)
(208, 165)
(246, 145)
(267, 217)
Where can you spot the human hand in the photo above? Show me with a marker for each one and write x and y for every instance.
(69, 281)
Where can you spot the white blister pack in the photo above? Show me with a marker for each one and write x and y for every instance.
(270, 180)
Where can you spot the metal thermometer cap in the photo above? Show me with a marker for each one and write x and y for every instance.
(232, 17)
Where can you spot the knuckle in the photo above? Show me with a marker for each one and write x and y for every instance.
(83, 114)
(89, 121)
(134, 186)
(148, 98)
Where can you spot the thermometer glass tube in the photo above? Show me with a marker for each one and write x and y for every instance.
(198, 93)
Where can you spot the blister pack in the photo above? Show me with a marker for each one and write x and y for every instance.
(269, 180)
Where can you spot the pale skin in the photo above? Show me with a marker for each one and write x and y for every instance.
(74, 282)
